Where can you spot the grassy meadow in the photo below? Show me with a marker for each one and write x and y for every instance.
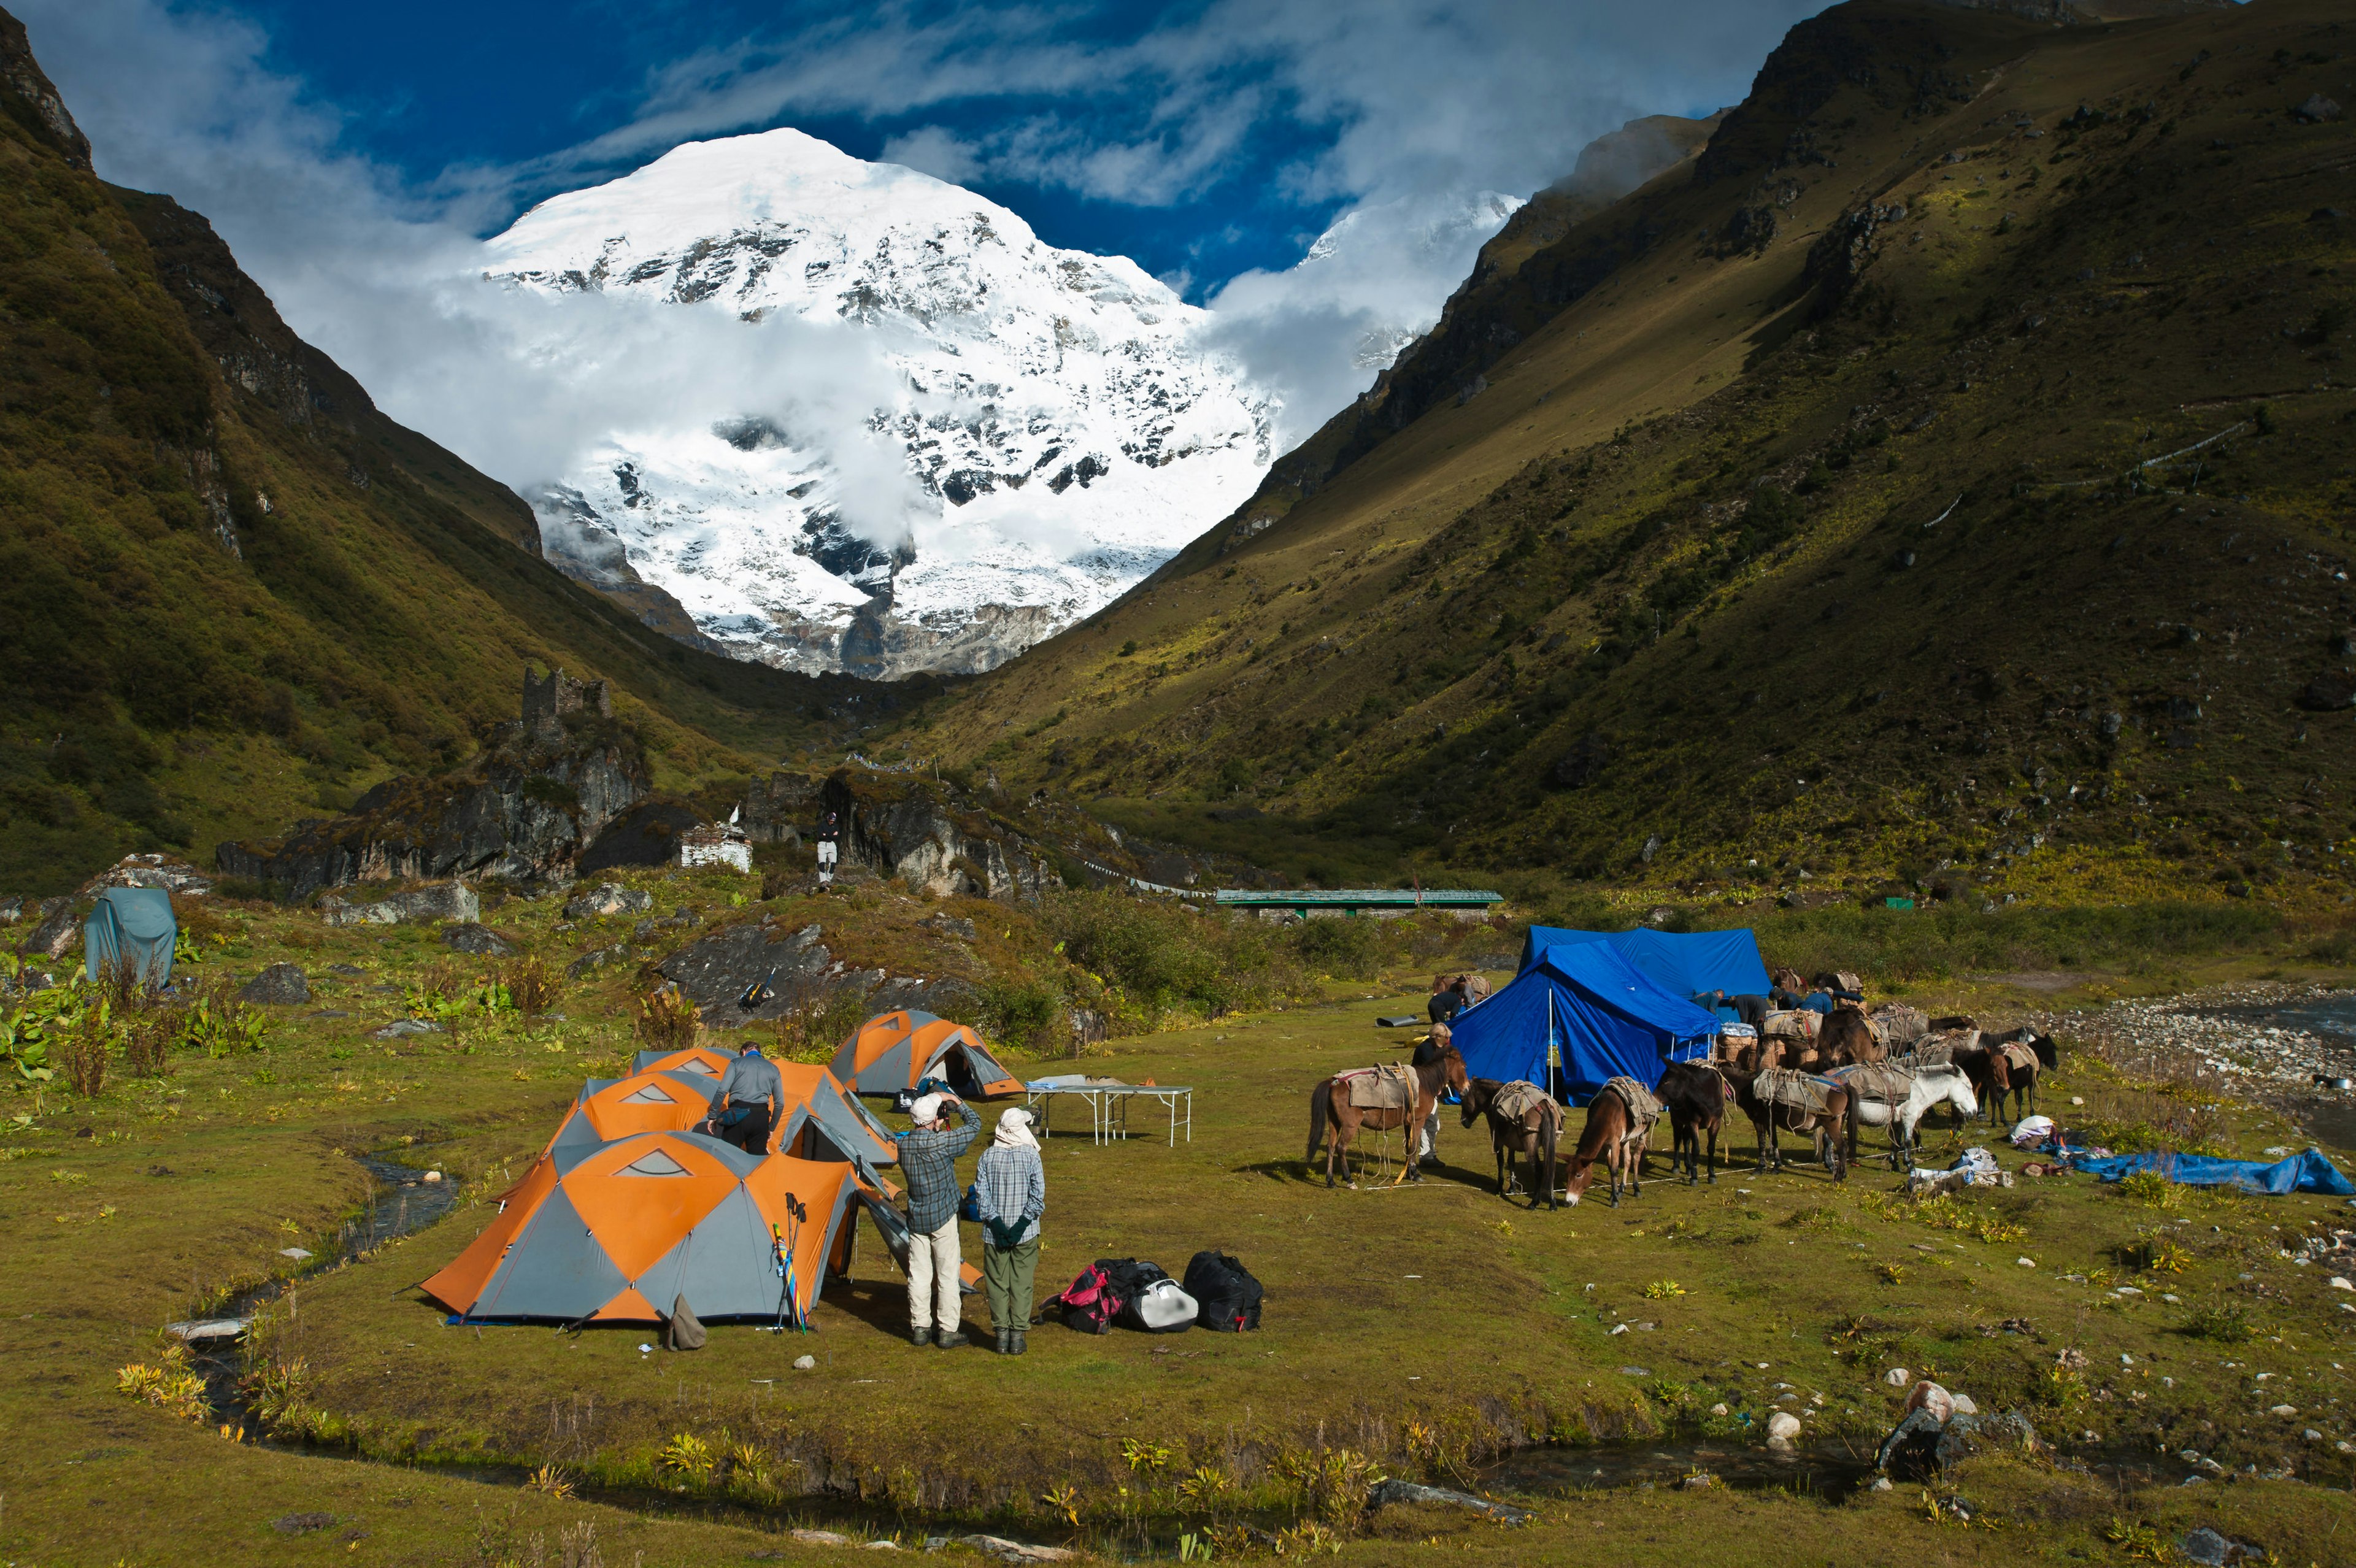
(1419, 1331)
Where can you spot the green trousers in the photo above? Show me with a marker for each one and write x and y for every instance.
(1006, 1276)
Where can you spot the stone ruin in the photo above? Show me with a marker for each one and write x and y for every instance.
(546, 702)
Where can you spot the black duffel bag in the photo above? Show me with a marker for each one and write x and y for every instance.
(1226, 1296)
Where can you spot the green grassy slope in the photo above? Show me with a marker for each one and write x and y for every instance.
(231, 590)
(1757, 517)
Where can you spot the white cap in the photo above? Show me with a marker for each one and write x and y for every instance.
(926, 1108)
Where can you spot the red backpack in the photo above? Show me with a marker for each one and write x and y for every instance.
(1090, 1302)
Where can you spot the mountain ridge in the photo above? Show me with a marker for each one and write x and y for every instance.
(1655, 486)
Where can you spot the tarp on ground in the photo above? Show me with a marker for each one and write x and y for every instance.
(621, 1233)
(897, 1051)
(1579, 1016)
(1683, 963)
(2307, 1172)
(132, 926)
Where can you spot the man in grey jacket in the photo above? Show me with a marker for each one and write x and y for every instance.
(745, 1104)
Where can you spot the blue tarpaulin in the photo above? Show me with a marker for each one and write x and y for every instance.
(1683, 963)
(2309, 1172)
(1581, 1015)
(133, 927)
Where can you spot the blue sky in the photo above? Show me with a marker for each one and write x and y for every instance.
(1200, 139)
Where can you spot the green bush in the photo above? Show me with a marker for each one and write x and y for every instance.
(1161, 961)
(1347, 949)
(1023, 1014)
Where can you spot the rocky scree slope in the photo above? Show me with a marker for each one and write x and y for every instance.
(231, 590)
(1062, 428)
(1939, 480)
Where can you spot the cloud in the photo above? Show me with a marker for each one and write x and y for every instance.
(1390, 118)
(935, 150)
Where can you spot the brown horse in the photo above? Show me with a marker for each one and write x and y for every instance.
(1847, 1039)
(1611, 1138)
(1330, 1101)
(1532, 1135)
(1768, 1122)
(1996, 1077)
(1696, 1096)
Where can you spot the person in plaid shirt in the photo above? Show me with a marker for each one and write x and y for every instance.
(929, 1153)
(1011, 1192)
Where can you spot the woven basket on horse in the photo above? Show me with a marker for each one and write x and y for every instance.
(1379, 1088)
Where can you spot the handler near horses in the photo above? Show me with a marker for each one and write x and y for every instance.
(1426, 1052)
(745, 1105)
(929, 1153)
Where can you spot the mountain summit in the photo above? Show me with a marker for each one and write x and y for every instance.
(1042, 427)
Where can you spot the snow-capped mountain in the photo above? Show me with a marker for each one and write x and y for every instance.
(1052, 425)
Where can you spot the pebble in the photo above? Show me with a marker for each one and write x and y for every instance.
(1896, 1377)
(2282, 1410)
(805, 1363)
(432, 1176)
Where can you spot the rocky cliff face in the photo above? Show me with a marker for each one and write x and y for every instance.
(1061, 424)
(524, 812)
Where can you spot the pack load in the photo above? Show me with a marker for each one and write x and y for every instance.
(1795, 1023)
(1897, 1025)
(1802, 1092)
(1226, 1296)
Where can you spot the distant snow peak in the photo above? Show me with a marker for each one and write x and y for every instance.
(1054, 425)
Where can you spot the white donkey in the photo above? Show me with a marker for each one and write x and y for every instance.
(1894, 1096)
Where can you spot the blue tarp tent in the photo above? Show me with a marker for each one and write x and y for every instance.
(1580, 1015)
(133, 927)
(2309, 1172)
(1683, 963)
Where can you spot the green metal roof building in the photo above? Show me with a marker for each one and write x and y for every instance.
(1357, 901)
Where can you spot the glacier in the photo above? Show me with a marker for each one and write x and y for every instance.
(1058, 423)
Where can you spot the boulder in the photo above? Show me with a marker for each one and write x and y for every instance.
(1911, 1451)
(591, 962)
(1783, 1427)
(606, 899)
(2315, 110)
(151, 872)
(715, 972)
(912, 828)
(436, 901)
(1388, 1494)
(11, 910)
(58, 933)
(280, 986)
(473, 936)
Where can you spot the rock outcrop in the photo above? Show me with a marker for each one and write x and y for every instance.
(438, 901)
(915, 830)
(524, 811)
(279, 986)
(717, 972)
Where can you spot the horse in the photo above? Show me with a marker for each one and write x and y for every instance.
(1999, 1077)
(1848, 1038)
(1612, 1136)
(1925, 1087)
(1768, 1121)
(1331, 1101)
(1533, 1133)
(1696, 1097)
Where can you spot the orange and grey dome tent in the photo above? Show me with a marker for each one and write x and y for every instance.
(622, 1230)
(897, 1051)
(817, 1119)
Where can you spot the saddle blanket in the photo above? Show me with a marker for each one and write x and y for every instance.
(1515, 1101)
(1796, 1091)
(1643, 1109)
(1878, 1081)
(2019, 1057)
(1391, 1088)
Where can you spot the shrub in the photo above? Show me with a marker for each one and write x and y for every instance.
(530, 987)
(1022, 1013)
(1158, 959)
(2226, 1322)
(1347, 949)
(2150, 1188)
(83, 1057)
(666, 1020)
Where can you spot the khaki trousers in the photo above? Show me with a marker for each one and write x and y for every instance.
(933, 1264)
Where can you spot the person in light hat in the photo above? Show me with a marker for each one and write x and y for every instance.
(1011, 1192)
(929, 1153)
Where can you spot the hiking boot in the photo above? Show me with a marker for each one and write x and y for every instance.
(950, 1340)
(920, 1335)
(1004, 1335)
(1015, 1343)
